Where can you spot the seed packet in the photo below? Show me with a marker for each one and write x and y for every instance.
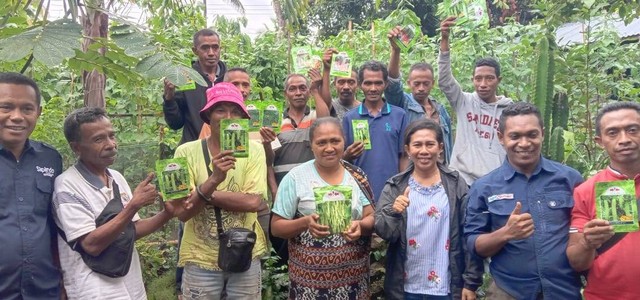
(616, 202)
(254, 113)
(361, 132)
(341, 64)
(190, 86)
(234, 135)
(333, 205)
(304, 58)
(271, 114)
(406, 38)
(173, 178)
(470, 13)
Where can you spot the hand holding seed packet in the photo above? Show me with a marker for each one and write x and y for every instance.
(406, 38)
(173, 178)
(361, 133)
(341, 64)
(234, 136)
(469, 13)
(616, 202)
(333, 205)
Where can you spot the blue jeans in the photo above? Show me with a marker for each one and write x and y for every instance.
(410, 296)
(198, 283)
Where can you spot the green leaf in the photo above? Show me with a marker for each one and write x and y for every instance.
(50, 44)
(181, 75)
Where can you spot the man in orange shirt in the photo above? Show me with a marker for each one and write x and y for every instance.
(611, 260)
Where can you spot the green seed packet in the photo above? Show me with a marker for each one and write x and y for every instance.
(616, 202)
(333, 205)
(406, 38)
(271, 114)
(361, 132)
(341, 64)
(305, 58)
(173, 178)
(234, 135)
(253, 107)
(470, 13)
(187, 87)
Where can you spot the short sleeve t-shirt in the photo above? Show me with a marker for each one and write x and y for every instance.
(200, 242)
(295, 192)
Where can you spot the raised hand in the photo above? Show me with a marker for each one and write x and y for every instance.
(327, 57)
(392, 36)
(519, 226)
(445, 27)
(316, 78)
(169, 90)
(353, 151)
(402, 202)
(222, 163)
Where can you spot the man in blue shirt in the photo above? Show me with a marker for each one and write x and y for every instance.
(519, 215)
(386, 129)
(418, 104)
(27, 172)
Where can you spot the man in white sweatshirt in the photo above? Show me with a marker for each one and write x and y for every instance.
(476, 150)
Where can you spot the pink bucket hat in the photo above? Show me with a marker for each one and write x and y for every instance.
(223, 92)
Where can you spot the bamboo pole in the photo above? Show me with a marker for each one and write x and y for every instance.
(373, 39)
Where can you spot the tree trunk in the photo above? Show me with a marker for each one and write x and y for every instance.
(95, 24)
(277, 9)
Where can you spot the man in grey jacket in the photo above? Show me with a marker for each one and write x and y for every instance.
(476, 150)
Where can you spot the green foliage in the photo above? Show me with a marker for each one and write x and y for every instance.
(275, 278)
(49, 44)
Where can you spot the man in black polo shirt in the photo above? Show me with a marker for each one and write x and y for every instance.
(27, 172)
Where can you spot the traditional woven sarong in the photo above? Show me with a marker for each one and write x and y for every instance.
(328, 268)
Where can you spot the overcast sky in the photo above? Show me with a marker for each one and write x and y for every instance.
(259, 13)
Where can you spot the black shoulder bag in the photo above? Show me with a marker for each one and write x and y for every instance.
(236, 244)
(115, 260)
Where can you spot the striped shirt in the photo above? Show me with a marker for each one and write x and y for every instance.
(427, 264)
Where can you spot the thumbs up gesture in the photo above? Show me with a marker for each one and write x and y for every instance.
(402, 202)
(519, 226)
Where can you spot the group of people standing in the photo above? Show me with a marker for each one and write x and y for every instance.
(442, 206)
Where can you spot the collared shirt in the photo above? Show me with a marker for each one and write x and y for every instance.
(614, 273)
(296, 147)
(386, 130)
(395, 95)
(538, 264)
(290, 124)
(80, 197)
(27, 270)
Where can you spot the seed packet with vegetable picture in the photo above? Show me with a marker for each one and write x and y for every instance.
(361, 132)
(254, 113)
(406, 38)
(173, 178)
(616, 202)
(234, 135)
(271, 114)
(305, 58)
(341, 64)
(333, 205)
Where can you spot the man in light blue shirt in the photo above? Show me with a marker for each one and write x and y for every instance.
(418, 104)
